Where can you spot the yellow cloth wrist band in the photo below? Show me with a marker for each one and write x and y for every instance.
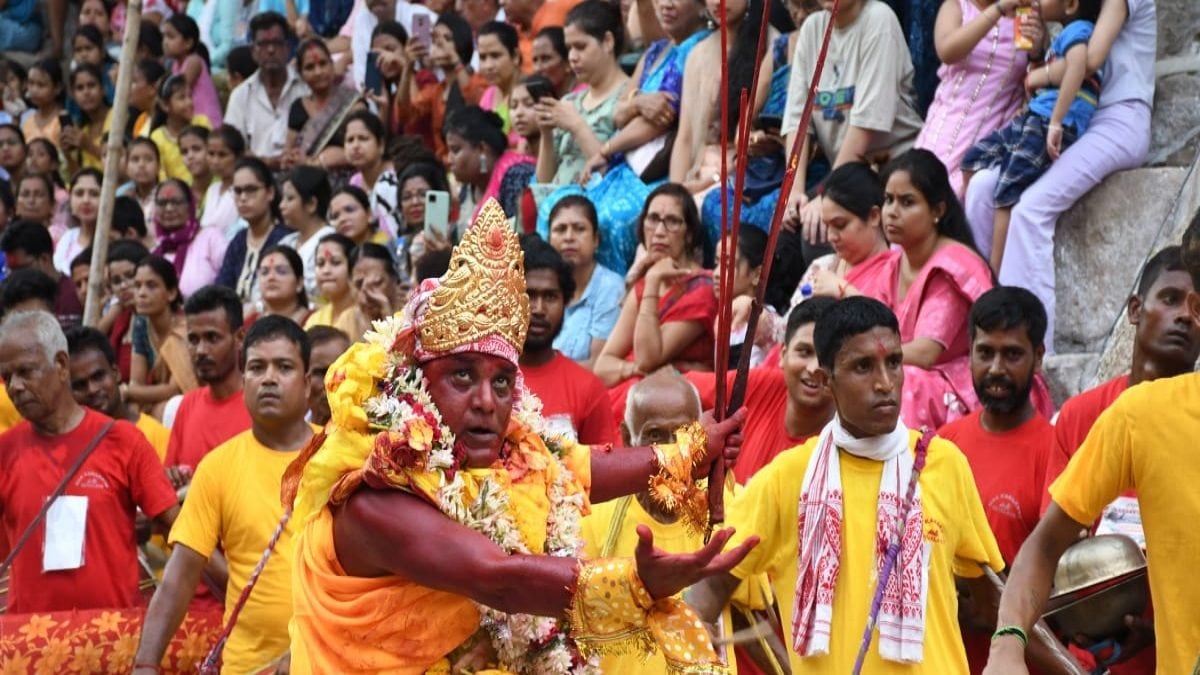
(612, 613)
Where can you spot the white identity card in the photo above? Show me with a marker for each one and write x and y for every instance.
(66, 523)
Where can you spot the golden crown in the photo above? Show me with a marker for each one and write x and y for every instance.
(483, 291)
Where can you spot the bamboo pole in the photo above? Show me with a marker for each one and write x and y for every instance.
(116, 141)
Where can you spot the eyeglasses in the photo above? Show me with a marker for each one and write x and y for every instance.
(246, 190)
(672, 223)
(175, 202)
(11, 140)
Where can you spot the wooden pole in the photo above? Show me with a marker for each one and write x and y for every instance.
(116, 141)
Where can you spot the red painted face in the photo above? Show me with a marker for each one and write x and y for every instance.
(474, 393)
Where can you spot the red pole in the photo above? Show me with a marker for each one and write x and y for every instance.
(789, 177)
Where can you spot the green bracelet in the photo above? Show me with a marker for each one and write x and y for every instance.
(1012, 630)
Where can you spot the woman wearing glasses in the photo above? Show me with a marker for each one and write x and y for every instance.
(667, 317)
(196, 252)
(258, 204)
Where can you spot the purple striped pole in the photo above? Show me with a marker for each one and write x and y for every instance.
(893, 551)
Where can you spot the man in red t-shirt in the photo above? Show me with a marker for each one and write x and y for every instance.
(1007, 441)
(786, 405)
(574, 400)
(83, 554)
(214, 413)
(1166, 343)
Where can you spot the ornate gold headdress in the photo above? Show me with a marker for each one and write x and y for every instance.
(482, 294)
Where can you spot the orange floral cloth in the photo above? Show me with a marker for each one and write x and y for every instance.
(98, 641)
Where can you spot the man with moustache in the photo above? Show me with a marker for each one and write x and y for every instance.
(573, 398)
(1007, 442)
(233, 503)
(95, 383)
(368, 16)
(94, 565)
(212, 414)
(327, 344)
(785, 406)
(258, 107)
(437, 504)
(833, 504)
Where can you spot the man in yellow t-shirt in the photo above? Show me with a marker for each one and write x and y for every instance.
(858, 347)
(233, 502)
(96, 383)
(1149, 441)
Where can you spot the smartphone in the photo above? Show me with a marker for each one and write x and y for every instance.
(374, 79)
(423, 29)
(64, 120)
(540, 88)
(437, 213)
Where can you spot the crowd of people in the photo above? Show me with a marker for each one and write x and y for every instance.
(298, 178)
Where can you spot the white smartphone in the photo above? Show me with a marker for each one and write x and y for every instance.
(437, 213)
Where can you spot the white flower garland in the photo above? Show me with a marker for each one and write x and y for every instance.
(525, 643)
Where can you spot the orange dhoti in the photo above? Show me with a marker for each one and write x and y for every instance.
(345, 624)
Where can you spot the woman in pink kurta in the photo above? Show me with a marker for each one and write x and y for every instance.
(982, 79)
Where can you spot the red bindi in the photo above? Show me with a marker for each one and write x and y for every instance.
(880, 349)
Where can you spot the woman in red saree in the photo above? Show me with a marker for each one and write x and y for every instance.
(667, 316)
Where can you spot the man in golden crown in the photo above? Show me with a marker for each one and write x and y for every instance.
(438, 522)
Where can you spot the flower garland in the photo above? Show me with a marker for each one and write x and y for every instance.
(414, 446)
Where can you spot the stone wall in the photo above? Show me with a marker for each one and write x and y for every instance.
(1175, 134)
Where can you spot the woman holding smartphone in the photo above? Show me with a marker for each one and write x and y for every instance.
(421, 110)
(420, 184)
(577, 126)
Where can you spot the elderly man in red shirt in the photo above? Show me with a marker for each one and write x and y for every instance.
(82, 556)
